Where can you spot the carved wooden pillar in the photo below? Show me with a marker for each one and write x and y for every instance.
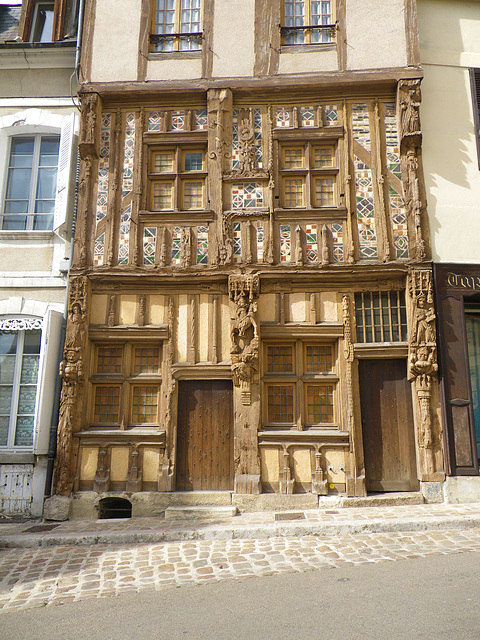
(243, 293)
(422, 372)
(219, 106)
(409, 98)
(88, 150)
(167, 460)
(355, 473)
(73, 388)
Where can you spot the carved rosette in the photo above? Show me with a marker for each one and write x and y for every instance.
(72, 374)
(422, 356)
(243, 292)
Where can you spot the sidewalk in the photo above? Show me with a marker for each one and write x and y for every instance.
(254, 526)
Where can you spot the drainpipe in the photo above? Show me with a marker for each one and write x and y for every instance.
(78, 48)
(52, 445)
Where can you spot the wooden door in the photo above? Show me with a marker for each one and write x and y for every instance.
(387, 424)
(205, 435)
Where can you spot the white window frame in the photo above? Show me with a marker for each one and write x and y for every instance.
(34, 122)
(51, 325)
(35, 19)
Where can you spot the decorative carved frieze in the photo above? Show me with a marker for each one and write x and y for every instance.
(243, 292)
(20, 324)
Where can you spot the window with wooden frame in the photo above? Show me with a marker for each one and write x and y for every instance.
(176, 25)
(381, 316)
(44, 22)
(307, 22)
(299, 385)
(475, 86)
(177, 178)
(125, 385)
(308, 175)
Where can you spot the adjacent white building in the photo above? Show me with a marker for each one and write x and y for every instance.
(37, 183)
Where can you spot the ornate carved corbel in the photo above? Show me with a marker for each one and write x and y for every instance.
(243, 292)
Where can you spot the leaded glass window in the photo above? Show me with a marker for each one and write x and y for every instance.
(31, 183)
(176, 24)
(125, 385)
(309, 176)
(177, 179)
(307, 22)
(19, 361)
(299, 385)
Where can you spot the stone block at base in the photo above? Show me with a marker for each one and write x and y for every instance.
(248, 484)
(57, 508)
(179, 512)
(460, 489)
(432, 491)
(275, 501)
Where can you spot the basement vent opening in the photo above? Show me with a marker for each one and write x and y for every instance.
(114, 508)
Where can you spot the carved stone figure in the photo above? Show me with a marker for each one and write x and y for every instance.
(186, 247)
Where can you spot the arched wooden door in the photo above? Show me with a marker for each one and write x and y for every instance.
(205, 436)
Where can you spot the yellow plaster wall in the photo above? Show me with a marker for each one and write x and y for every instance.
(98, 312)
(298, 307)
(225, 330)
(156, 310)
(151, 460)
(119, 464)
(88, 463)
(335, 458)
(182, 328)
(34, 258)
(311, 61)
(128, 310)
(269, 464)
(203, 337)
(302, 465)
(233, 32)
(328, 307)
(266, 307)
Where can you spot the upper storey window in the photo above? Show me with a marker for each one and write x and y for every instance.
(31, 183)
(177, 179)
(42, 25)
(177, 25)
(307, 22)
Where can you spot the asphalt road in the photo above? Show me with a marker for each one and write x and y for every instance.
(428, 598)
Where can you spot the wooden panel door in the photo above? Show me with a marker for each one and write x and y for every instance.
(387, 424)
(205, 435)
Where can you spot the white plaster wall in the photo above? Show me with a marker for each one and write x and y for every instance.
(189, 69)
(313, 61)
(115, 40)
(375, 34)
(448, 46)
(233, 38)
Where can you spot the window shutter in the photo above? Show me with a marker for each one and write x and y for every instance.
(65, 178)
(475, 83)
(47, 377)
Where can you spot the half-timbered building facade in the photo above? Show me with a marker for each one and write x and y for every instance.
(251, 298)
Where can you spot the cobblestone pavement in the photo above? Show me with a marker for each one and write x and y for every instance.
(44, 576)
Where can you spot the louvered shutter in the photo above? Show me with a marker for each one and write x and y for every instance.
(475, 83)
(65, 178)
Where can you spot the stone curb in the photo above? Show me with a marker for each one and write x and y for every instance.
(222, 531)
